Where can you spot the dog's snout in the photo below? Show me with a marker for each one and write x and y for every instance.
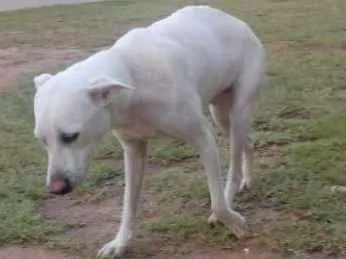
(60, 185)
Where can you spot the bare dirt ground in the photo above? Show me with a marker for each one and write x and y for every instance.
(95, 221)
(39, 253)
(17, 62)
(15, 252)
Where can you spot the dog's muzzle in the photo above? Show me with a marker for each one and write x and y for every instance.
(60, 185)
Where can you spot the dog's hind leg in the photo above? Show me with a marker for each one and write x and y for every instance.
(135, 152)
(220, 109)
(238, 138)
(245, 90)
(211, 161)
(196, 130)
(247, 163)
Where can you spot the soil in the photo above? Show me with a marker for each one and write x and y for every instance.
(17, 252)
(93, 222)
(245, 254)
(17, 62)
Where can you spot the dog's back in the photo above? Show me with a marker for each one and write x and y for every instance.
(198, 45)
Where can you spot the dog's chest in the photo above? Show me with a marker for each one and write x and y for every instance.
(135, 127)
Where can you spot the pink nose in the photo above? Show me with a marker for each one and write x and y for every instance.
(60, 185)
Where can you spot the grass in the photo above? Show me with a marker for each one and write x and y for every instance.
(21, 185)
(299, 127)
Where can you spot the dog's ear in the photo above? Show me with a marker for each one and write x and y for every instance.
(41, 79)
(102, 88)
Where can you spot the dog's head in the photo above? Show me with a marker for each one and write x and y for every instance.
(70, 118)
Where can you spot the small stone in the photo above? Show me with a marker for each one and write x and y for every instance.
(338, 189)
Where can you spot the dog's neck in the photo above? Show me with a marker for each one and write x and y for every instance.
(106, 63)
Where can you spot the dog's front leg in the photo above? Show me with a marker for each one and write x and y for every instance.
(134, 158)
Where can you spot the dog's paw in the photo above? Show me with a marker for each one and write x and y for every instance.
(235, 222)
(213, 220)
(113, 249)
(238, 225)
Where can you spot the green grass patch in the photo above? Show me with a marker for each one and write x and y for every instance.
(189, 227)
(167, 151)
(22, 182)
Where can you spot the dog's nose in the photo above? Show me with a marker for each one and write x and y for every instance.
(60, 185)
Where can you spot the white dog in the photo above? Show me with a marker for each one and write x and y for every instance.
(156, 80)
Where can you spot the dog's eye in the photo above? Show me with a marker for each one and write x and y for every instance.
(68, 138)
